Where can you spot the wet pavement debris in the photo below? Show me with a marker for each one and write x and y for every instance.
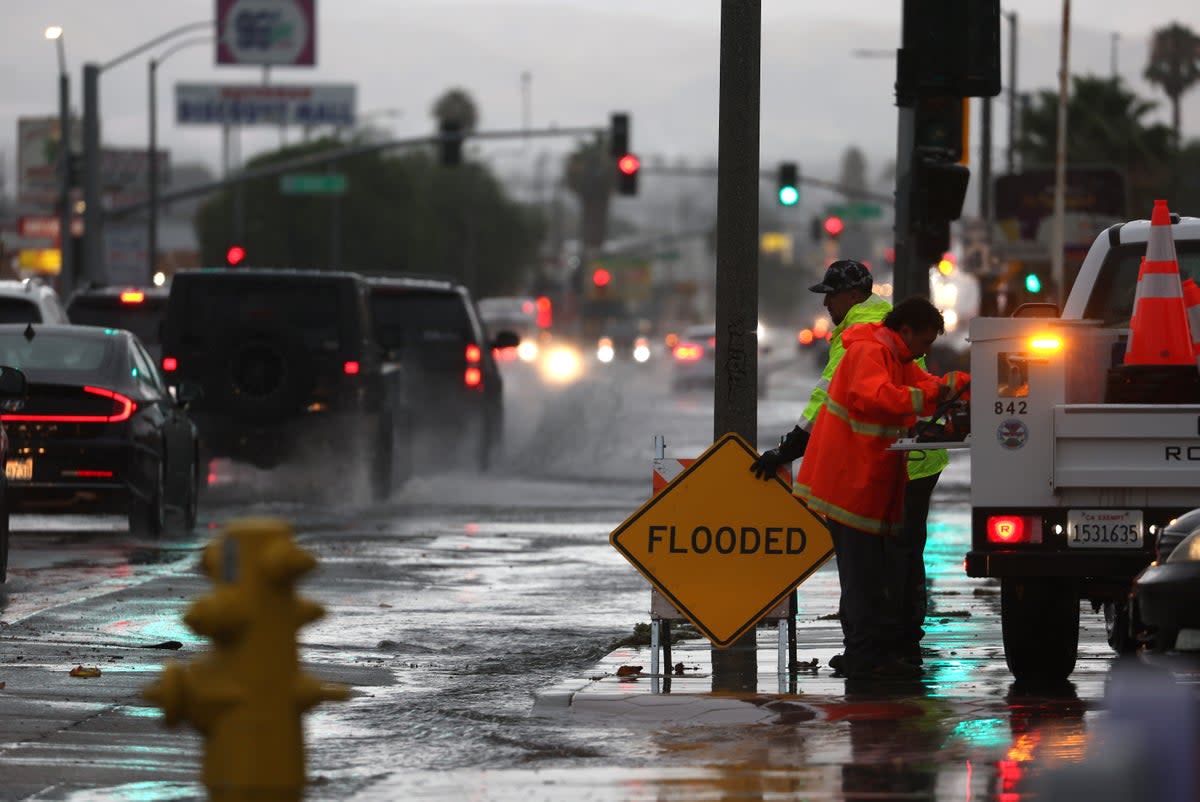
(87, 672)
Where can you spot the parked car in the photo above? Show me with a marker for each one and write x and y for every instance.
(30, 301)
(289, 369)
(136, 309)
(431, 327)
(98, 428)
(694, 358)
(12, 397)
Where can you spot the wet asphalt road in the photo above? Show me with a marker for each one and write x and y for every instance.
(455, 603)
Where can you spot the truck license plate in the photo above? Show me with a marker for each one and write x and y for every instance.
(1104, 529)
(19, 470)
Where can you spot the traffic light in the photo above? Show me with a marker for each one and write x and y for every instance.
(950, 48)
(246, 694)
(235, 255)
(938, 180)
(450, 141)
(627, 174)
(618, 134)
(601, 277)
(789, 184)
(834, 226)
(1033, 283)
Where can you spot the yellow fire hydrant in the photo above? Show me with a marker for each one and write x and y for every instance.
(247, 695)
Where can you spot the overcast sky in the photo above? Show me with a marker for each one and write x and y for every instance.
(657, 59)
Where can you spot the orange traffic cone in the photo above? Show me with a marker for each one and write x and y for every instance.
(1159, 332)
(1191, 300)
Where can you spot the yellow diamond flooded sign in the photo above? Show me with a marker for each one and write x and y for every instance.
(723, 546)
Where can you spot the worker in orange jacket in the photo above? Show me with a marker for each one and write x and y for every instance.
(849, 475)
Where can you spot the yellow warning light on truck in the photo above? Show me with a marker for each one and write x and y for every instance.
(1046, 344)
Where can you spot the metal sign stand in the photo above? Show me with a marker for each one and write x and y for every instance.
(662, 613)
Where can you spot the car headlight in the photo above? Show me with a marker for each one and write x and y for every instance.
(604, 350)
(562, 364)
(1188, 551)
(527, 350)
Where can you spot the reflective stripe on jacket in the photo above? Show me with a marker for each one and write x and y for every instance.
(847, 473)
(873, 310)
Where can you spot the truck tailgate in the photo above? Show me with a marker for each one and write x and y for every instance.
(1127, 446)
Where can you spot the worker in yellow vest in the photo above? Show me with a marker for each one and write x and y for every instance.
(849, 299)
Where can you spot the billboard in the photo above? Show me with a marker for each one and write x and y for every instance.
(275, 32)
(264, 104)
(38, 143)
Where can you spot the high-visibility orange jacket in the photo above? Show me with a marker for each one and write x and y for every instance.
(876, 395)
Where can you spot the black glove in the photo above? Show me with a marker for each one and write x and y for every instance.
(791, 447)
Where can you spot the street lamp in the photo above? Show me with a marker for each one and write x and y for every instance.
(93, 217)
(66, 268)
(152, 166)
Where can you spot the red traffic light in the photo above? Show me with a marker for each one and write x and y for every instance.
(628, 164)
(834, 225)
(601, 277)
(235, 255)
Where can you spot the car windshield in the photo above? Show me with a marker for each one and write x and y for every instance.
(420, 321)
(140, 318)
(55, 353)
(19, 310)
(1112, 296)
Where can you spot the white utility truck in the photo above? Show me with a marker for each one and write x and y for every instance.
(1068, 491)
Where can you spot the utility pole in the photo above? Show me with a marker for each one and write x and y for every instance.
(93, 217)
(1012, 90)
(1060, 158)
(735, 393)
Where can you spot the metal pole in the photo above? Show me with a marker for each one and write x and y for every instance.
(92, 270)
(904, 283)
(985, 164)
(152, 173)
(735, 392)
(1116, 37)
(66, 276)
(1012, 90)
(1060, 157)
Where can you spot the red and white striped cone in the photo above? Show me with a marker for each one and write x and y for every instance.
(1158, 332)
(1191, 300)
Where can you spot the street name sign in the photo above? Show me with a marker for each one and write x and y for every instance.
(313, 184)
(723, 546)
(855, 210)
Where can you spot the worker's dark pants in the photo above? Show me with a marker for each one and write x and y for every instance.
(869, 618)
(906, 568)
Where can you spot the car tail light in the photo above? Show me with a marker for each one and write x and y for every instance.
(1014, 529)
(688, 352)
(88, 474)
(351, 368)
(473, 354)
(170, 364)
(123, 408)
(805, 337)
(473, 377)
(132, 297)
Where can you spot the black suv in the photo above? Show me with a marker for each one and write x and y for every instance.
(289, 371)
(430, 326)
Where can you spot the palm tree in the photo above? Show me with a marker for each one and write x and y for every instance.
(1106, 126)
(589, 175)
(1174, 65)
(456, 105)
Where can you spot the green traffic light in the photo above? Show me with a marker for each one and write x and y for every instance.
(1033, 283)
(789, 196)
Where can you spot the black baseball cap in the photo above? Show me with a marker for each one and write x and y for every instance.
(845, 274)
